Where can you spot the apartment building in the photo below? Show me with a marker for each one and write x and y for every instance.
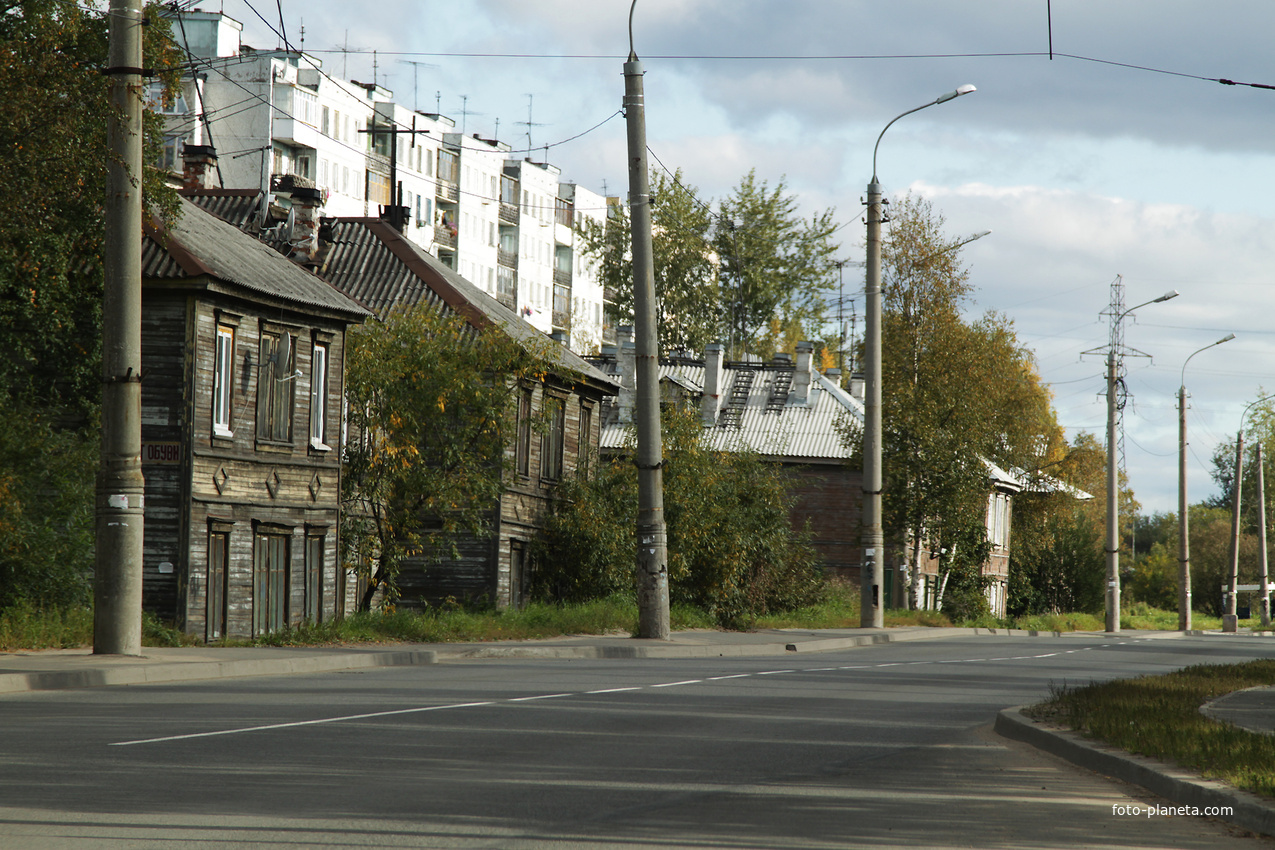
(276, 119)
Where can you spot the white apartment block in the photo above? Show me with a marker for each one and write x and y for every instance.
(506, 224)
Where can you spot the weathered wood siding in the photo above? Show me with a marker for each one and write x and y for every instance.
(237, 484)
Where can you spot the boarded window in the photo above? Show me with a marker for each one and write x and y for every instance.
(269, 581)
(276, 386)
(551, 442)
(218, 558)
(314, 577)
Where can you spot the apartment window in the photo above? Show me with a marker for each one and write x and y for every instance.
(319, 396)
(223, 380)
(314, 540)
(551, 441)
(218, 558)
(275, 387)
(327, 122)
(523, 450)
(270, 580)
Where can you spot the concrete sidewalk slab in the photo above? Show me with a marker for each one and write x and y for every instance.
(1179, 786)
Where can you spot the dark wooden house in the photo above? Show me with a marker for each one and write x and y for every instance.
(242, 354)
(373, 263)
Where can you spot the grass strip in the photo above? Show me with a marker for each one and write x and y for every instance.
(1159, 716)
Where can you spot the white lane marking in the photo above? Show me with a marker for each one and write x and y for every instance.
(299, 723)
(422, 709)
(541, 696)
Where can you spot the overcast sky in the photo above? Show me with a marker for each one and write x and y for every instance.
(1121, 155)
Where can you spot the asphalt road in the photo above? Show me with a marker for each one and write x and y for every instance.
(878, 747)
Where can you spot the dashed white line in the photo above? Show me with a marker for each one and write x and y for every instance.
(676, 684)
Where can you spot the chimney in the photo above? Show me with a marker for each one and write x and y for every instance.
(802, 376)
(304, 238)
(623, 334)
(628, 377)
(711, 401)
(856, 385)
(198, 162)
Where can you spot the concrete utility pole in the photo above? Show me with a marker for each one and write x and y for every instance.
(1263, 574)
(117, 579)
(652, 554)
(1230, 616)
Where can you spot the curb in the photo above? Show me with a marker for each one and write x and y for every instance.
(1174, 784)
(188, 671)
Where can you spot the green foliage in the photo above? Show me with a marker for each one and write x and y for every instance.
(776, 268)
(753, 271)
(46, 511)
(956, 394)
(432, 407)
(732, 549)
(1170, 725)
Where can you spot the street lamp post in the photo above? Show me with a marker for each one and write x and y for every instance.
(1184, 544)
(872, 607)
(1113, 515)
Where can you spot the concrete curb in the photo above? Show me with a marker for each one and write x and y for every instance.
(1174, 784)
(189, 671)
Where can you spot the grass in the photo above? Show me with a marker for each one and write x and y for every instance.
(26, 627)
(1169, 725)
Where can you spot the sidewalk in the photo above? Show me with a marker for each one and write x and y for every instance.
(45, 670)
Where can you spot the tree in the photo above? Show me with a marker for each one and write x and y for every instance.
(53, 155)
(686, 288)
(776, 268)
(956, 394)
(432, 407)
(752, 271)
(732, 549)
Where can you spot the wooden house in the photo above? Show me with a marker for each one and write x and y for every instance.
(242, 357)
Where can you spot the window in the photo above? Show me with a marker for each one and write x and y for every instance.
(319, 397)
(275, 386)
(223, 366)
(314, 576)
(584, 443)
(218, 558)
(551, 442)
(270, 580)
(523, 450)
(326, 127)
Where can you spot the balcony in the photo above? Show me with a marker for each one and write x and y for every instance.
(508, 259)
(562, 321)
(561, 278)
(508, 213)
(447, 193)
(444, 238)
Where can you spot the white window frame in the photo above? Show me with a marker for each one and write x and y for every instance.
(223, 379)
(319, 397)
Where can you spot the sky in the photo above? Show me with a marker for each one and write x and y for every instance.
(1119, 156)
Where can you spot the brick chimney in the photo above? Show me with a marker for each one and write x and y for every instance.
(711, 401)
(198, 164)
(304, 238)
(856, 385)
(628, 377)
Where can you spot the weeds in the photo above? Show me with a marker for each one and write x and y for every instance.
(1159, 716)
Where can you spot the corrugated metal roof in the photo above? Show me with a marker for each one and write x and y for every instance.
(199, 243)
(796, 431)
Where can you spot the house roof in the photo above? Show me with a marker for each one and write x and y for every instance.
(200, 245)
(771, 421)
(374, 263)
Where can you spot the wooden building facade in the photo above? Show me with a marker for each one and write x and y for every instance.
(243, 356)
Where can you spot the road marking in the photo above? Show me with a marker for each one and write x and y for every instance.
(298, 723)
(541, 696)
(613, 690)
(740, 676)
(675, 684)
(774, 672)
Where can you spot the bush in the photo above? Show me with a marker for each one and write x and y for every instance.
(732, 550)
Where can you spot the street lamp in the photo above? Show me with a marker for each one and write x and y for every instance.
(1184, 545)
(1113, 516)
(872, 607)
